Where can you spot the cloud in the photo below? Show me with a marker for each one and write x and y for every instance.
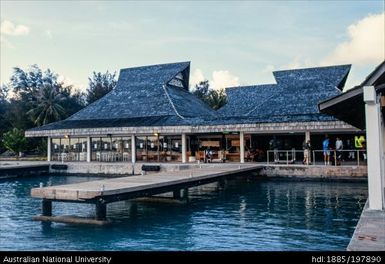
(223, 79)
(4, 42)
(9, 28)
(196, 78)
(365, 44)
(220, 79)
(48, 34)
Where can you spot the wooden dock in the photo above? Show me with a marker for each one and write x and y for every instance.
(102, 192)
(369, 234)
(13, 169)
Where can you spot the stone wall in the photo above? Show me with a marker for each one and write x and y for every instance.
(316, 172)
(119, 168)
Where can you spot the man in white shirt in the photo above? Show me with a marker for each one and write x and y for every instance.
(339, 147)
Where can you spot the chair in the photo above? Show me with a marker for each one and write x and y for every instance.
(126, 156)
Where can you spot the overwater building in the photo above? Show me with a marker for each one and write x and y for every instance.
(151, 116)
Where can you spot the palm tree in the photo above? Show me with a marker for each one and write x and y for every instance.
(48, 107)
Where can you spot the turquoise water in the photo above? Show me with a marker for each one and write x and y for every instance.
(245, 215)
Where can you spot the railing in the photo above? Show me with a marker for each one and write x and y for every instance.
(316, 157)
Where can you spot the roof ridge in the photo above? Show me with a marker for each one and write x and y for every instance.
(318, 67)
(171, 102)
(154, 65)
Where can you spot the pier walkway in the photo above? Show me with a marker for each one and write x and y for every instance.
(369, 234)
(102, 192)
(18, 169)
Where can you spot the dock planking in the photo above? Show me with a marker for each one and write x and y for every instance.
(102, 192)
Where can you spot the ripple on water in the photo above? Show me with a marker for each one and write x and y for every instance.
(258, 215)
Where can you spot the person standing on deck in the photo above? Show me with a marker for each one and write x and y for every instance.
(339, 147)
(306, 152)
(326, 150)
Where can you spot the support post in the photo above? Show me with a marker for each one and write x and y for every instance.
(375, 150)
(100, 211)
(184, 148)
(46, 207)
(185, 193)
(158, 146)
(49, 144)
(88, 149)
(133, 149)
(307, 138)
(242, 146)
(307, 135)
(176, 194)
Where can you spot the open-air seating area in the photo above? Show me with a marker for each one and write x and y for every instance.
(110, 156)
(72, 156)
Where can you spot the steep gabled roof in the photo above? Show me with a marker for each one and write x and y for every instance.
(296, 95)
(157, 90)
(350, 106)
(331, 75)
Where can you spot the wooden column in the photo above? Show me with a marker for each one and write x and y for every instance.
(242, 146)
(89, 149)
(133, 149)
(185, 193)
(46, 207)
(100, 211)
(158, 146)
(49, 144)
(307, 138)
(176, 194)
(184, 148)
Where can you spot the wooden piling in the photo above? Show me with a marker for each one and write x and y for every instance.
(100, 211)
(176, 194)
(46, 207)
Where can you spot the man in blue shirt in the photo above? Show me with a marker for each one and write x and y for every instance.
(326, 150)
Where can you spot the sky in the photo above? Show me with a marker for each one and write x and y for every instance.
(230, 43)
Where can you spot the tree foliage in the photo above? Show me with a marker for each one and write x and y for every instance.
(14, 140)
(48, 106)
(99, 85)
(4, 110)
(214, 98)
(38, 98)
(202, 90)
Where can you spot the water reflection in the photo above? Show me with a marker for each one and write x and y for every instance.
(253, 215)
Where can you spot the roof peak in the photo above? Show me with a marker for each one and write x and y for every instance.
(156, 65)
(314, 68)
